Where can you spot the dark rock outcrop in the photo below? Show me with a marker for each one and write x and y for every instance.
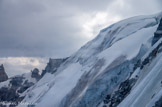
(158, 103)
(52, 65)
(158, 33)
(35, 74)
(3, 75)
(117, 97)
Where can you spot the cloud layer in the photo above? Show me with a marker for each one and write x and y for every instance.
(53, 27)
(18, 65)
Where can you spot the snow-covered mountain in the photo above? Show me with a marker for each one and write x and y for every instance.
(122, 67)
(11, 89)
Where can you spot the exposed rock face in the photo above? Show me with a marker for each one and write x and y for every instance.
(158, 103)
(11, 94)
(52, 65)
(35, 74)
(3, 75)
(123, 90)
(158, 33)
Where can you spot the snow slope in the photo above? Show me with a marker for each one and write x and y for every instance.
(99, 67)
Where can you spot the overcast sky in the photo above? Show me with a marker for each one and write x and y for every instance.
(34, 29)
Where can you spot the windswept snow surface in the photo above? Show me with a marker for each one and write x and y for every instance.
(80, 71)
(57, 87)
(64, 82)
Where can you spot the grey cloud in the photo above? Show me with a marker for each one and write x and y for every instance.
(159, 4)
(16, 66)
(132, 8)
(30, 29)
(90, 5)
(51, 27)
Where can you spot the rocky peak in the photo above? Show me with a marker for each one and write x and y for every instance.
(52, 65)
(3, 75)
(35, 74)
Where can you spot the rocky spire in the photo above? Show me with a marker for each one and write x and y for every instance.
(52, 65)
(3, 75)
(35, 74)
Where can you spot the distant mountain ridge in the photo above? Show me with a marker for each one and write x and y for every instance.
(11, 89)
